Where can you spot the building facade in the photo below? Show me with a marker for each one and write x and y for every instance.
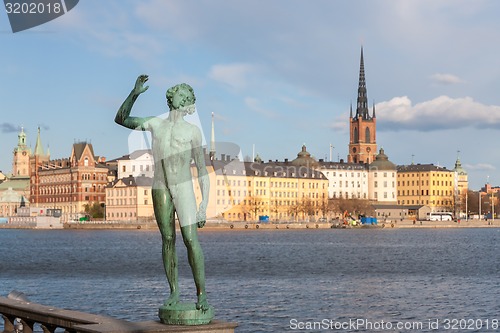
(382, 180)
(247, 191)
(70, 184)
(426, 184)
(345, 180)
(129, 199)
(138, 163)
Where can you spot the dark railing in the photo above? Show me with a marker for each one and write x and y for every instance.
(22, 316)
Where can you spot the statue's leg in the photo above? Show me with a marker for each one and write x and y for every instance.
(185, 204)
(197, 263)
(165, 217)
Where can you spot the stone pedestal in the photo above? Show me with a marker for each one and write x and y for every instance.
(185, 314)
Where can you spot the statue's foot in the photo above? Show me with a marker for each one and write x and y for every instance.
(202, 303)
(172, 300)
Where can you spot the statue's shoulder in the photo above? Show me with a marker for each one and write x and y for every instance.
(187, 126)
(153, 122)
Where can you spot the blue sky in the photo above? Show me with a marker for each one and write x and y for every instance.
(276, 74)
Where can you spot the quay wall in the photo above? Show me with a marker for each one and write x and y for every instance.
(282, 225)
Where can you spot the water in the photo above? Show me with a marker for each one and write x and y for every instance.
(268, 280)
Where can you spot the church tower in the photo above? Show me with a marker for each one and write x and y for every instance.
(362, 127)
(21, 160)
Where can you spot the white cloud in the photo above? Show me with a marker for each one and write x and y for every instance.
(441, 78)
(479, 167)
(339, 124)
(440, 113)
(232, 75)
(254, 105)
(111, 32)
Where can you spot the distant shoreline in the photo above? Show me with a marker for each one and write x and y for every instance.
(241, 225)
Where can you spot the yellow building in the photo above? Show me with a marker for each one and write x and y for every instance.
(245, 191)
(426, 184)
(129, 199)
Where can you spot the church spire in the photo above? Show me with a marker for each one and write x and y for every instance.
(21, 139)
(212, 141)
(362, 102)
(38, 145)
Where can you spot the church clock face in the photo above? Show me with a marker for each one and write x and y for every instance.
(354, 149)
(24, 153)
(368, 149)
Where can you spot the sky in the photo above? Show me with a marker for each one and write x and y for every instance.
(276, 74)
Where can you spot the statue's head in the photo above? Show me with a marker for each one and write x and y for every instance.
(180, 97)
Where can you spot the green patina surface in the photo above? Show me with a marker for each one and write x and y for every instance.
(175, 142)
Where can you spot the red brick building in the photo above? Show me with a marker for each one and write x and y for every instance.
(69, 184)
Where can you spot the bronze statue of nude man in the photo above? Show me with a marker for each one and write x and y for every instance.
(175, 142)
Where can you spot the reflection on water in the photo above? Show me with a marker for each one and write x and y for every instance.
(263, 279)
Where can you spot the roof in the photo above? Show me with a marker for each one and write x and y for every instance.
(17, 184)
(271, 169)
(133, 181)
(341, 166)
(382, 162)
(458, 168)
(421, 167)
(304, 158)
(80, 147)
(135, 154)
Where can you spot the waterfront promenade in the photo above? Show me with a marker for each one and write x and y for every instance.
(282, 225)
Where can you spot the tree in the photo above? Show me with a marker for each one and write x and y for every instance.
(294, 209)
(94, 209)
(252, 206)
(352, 206)
(306, 207)
(324, 207)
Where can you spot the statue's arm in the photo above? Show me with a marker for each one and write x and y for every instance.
(203, 179)
(123, 115)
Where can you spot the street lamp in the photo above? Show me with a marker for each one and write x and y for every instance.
(492, 207)
(466, 205)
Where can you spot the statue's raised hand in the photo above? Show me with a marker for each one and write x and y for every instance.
(139, 84)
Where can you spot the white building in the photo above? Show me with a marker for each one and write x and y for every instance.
(382, 180)
(345, 180)
(138, 163)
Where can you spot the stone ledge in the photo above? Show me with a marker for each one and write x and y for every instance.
(215, 326)
(83, 322)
